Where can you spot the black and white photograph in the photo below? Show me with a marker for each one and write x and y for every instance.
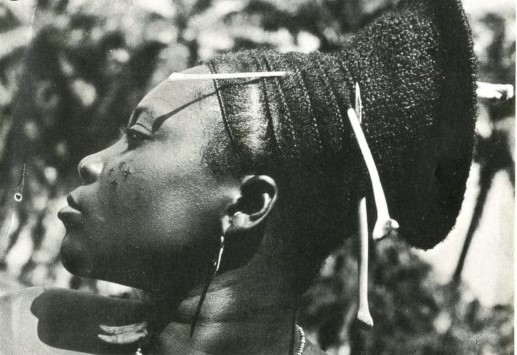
(245, 177)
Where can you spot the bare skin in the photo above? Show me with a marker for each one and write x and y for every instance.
(150, 215)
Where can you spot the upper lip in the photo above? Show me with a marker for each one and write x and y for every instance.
(72, 203)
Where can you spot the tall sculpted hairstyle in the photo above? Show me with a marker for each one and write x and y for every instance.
(416, 70)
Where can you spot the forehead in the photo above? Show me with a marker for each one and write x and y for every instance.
(174, 100)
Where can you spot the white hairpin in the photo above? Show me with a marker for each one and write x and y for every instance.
(494, 91)
(384, 224)
(363, 310)
(188, 76)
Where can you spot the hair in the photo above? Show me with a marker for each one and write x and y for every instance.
(416, 71)
(315, 203)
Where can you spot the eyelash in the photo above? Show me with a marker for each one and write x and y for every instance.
(135, 137)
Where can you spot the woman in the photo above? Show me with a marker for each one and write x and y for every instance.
(225, 195)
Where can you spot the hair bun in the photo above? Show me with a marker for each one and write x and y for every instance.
(416, 70)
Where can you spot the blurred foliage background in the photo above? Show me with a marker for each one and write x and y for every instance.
(71, 71)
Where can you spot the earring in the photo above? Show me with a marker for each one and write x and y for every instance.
(220, 255)
(210, 275)
(141, 344)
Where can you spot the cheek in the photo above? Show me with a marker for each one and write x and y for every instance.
(148, 208)
(119, 174)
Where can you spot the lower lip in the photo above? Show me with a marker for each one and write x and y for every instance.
(70, 217)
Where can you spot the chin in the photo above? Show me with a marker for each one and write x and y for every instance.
(82, 261)
(76, 258)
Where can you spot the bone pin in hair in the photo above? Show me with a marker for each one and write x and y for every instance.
(244, 75)
(494, 91)
(363, 311)
(384, 225)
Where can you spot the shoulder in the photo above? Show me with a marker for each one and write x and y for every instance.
(15, 311)
(19, 326)
(59, 321)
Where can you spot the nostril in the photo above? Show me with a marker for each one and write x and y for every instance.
(90, 169)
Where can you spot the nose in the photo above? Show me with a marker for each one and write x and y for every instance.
(90, 168)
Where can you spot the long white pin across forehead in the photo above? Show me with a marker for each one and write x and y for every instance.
(384, 225)
(244, 75)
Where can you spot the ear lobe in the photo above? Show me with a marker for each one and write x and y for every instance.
(258, 198)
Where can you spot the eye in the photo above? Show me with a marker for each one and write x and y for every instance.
(136, 135)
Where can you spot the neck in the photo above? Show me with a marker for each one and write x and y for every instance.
(247, 309)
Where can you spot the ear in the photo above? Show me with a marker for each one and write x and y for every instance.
(257, 199)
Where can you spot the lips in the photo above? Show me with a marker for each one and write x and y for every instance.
(70, 215)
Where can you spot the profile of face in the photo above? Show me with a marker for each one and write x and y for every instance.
(149, 212)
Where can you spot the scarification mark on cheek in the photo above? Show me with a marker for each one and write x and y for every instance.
(112, 180)
(125, 169)
(119, 174)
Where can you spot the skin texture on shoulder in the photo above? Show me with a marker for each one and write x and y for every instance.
(43, 321)
(18, 328)
(54, 321)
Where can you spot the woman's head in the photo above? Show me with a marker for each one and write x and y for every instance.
(273, 163)
(151, 206)
(155, 203)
